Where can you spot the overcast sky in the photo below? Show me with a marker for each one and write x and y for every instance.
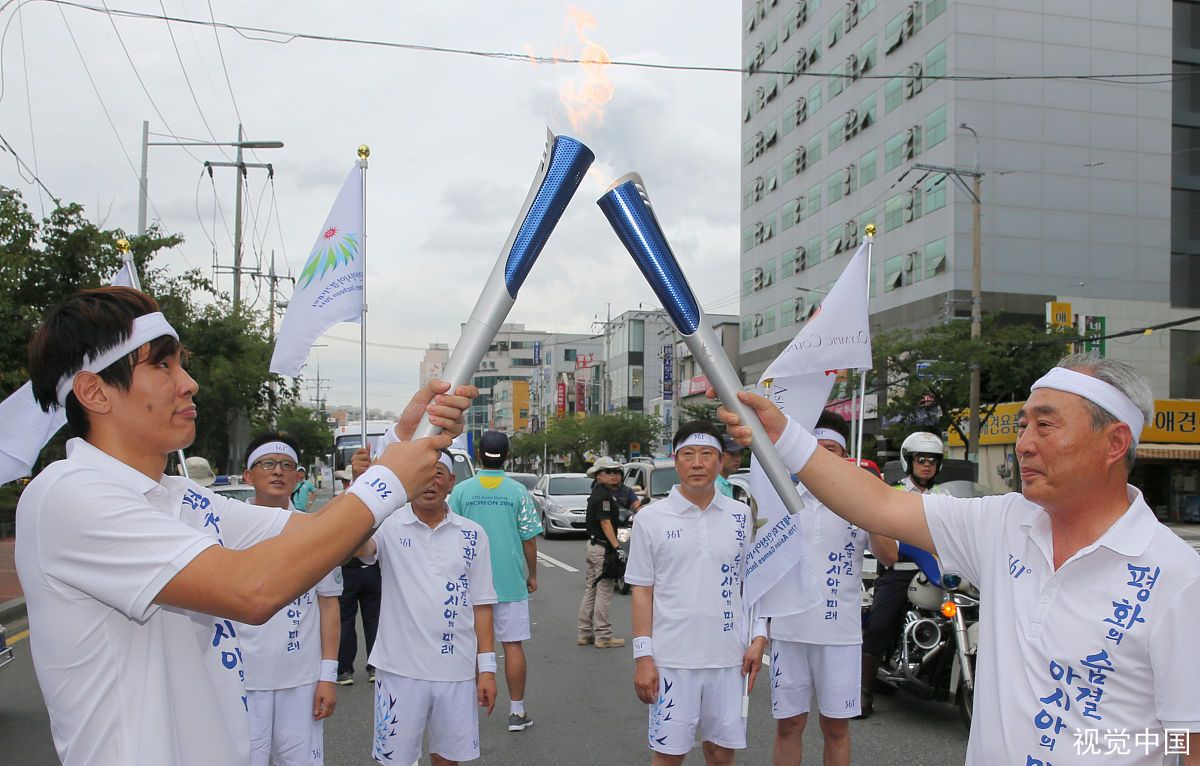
(455, 141)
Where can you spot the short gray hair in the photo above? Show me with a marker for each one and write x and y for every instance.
(1121, 376)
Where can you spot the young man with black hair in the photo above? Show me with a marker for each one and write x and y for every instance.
(686, 564)
(818, 649)
(504, 508)
(291, 659)
(133, 579)
(435, 657)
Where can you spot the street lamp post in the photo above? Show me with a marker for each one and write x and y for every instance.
(240, 144)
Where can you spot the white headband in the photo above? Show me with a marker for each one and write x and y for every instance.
(1105, 396)
(444, 459)
(271, 448)
(146, 328)
(701, 440)
(830, 435)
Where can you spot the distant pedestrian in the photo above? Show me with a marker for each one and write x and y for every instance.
(504, 508)
(304, 490)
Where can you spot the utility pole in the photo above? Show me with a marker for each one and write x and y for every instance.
(973, 192)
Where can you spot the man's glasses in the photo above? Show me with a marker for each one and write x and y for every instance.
(269, 465)
(926, 460)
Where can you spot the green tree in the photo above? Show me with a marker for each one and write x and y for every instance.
(928, 371)
(705, 410)
(616, 431)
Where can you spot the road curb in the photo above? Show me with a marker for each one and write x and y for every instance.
(12, 610)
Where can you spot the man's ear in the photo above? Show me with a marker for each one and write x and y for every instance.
(92, 393)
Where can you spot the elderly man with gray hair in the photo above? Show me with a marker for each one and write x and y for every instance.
(1090, 605)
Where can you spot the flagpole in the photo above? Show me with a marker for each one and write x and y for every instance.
(862, 383)
(127, 259)
(364, 152)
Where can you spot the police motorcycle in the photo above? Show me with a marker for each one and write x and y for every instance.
(933, 657)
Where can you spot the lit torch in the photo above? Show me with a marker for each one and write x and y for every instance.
(627, 207)
(564, 163)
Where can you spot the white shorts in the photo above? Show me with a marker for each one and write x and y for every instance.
(510, 621)
(834, 671)
(708, 697)
(282, 729)
(405, 706)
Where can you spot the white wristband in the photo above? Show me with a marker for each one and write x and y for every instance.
(643, 646)
(328, 671)
(795, 445)
(380, 491)
(486, 662)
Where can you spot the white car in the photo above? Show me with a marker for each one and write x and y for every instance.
(562, 499)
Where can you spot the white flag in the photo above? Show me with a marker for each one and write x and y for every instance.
(836, 338)
(330, 286)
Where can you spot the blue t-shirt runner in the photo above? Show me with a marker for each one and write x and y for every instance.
(505, 510)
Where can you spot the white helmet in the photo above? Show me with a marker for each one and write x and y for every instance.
(920, 442)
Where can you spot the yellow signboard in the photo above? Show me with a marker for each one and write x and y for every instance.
(1059, 316)
(1176, 421)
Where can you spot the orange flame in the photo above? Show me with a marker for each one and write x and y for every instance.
(585, 101)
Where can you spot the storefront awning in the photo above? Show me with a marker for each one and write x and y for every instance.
(1168, 452)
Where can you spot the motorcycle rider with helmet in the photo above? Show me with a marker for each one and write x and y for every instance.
(921, 457)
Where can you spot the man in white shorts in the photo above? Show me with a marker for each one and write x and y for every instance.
(1089, 620)
(818, 649)
(434, 655)
(133, 579)
(505, 510)
(291, 659)
(686, 562)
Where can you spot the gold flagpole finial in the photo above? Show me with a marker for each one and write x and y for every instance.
(364, 151)
(870, 229)
(123, 246)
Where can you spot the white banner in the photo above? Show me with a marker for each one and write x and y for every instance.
(329, 288)
(837, 337)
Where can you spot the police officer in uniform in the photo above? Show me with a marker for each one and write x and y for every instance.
(921, 458)
(603, 516)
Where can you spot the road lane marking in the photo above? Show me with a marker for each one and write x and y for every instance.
(553, 562)
(12, 640)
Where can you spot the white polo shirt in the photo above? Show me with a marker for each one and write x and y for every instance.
(835, 552)
(432, 579)
(128, 682)
(285, 651)
(1107, 642)
(695, 560)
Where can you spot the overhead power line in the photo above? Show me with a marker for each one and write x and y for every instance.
(282, 37)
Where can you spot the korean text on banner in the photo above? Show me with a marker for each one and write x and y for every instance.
(329, 288)
(836, 338)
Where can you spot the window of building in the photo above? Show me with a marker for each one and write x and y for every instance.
(834, 186)
(893, 273)
(935, 127)
(835, 28)
(747, 327)
(769, 272)
(814, 149)
(813, 100)
(791, 263)
(812, 200)
(569, 354)
(935, 61)
(833, 239)
(837, 80)
(787, 312)
(935, 192)
(865, 217)
(814, 46)
(812, 251)
(935, 257)
(836, 132)
(523, 363)
(934, 8)
(768, 316)
(868, 111)
(893, 213)
(893, 151)
(868, 53)
(748, 239)
(865, 7)
(893, 94)
(637, 335)
(866, 168)
(792, 213)
(893, 33)
(637, 375)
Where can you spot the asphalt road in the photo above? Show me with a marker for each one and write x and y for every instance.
(581, 700)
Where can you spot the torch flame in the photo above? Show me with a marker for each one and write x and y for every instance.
(585, 102)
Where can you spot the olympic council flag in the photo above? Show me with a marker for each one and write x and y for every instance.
(330, 286)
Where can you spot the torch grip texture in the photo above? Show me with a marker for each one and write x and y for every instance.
(558, 178)
(627, 207)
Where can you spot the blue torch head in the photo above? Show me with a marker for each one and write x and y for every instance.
(561, 173)
(627, 207)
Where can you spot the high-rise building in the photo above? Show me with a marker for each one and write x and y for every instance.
(433, 362)
(1087, 197)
